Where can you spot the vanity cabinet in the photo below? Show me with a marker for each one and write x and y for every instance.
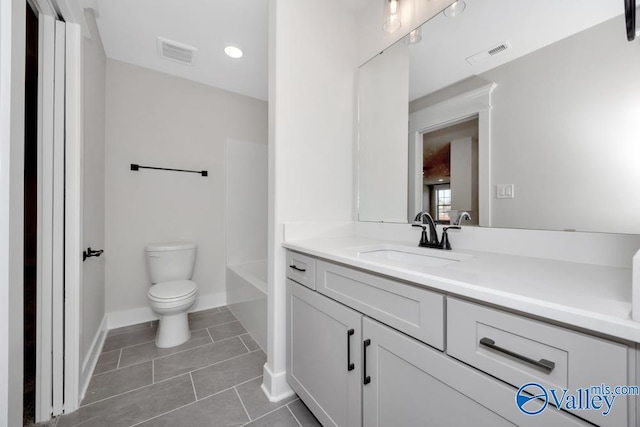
(361, 363)
(324, 343)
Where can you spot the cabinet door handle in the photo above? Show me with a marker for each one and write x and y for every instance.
(544, 364)
(367, 378)
(302, 270)
(350, 366)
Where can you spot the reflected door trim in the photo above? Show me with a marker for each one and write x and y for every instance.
(476, 102)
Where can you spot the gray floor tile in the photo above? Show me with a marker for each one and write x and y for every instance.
(303, 414)
(147, 351)
(127, 339)
(107, 362)
(255, 401)
(118, 381)
(223, 409)
(190, 360)
(135, 406)
(223, 375)
(249, 342)
(227, 330)
(127, 329)
(203, 312)
(280, 418)
(209, 320)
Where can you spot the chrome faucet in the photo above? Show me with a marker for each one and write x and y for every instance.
(426, 218)
(462, 216)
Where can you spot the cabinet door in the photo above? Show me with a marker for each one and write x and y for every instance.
(413, 385)
(324, 356)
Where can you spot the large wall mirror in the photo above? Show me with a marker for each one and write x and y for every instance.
(525, 114)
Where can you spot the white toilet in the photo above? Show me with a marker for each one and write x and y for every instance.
(170, 267)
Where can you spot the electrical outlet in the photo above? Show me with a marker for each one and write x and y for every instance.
(505, 191)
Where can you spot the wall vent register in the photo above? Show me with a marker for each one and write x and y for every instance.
(175, 51)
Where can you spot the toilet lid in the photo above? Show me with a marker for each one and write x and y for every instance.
(173, 289)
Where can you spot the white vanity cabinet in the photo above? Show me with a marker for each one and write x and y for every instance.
(358, 362)
(324, 343)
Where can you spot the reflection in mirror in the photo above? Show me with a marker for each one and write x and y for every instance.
(558, 135)
(450, 172)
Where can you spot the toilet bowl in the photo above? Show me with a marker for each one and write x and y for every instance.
(172, 293)
(171, 300)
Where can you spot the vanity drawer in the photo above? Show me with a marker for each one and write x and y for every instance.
(415, 311)
(519, 350)
(301, 269)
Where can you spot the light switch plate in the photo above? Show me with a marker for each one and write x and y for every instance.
(505, 191)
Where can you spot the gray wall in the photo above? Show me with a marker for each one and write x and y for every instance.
(159, 120)
(93, 92)
(564, 130)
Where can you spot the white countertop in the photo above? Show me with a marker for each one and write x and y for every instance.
(595, 298)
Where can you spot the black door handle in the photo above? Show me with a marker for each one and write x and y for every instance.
(295, 267)
(367, 378)
(350, 366)
(91, 253)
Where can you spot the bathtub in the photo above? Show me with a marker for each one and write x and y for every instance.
(247, 297)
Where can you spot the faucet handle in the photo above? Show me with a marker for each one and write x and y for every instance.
(423, 238)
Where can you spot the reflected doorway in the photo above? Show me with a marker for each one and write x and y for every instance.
(450, 171)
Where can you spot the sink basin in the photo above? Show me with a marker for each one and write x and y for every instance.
(418, 256)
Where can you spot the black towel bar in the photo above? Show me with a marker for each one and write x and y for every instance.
(135, 167)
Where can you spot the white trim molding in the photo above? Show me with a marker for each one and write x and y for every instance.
(73, 216)
(274, 385)
(91, 360)
(476, 102)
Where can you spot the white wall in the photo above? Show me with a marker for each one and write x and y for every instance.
(12, 58)
(155, 119)
(93, 88)
(566, 135)
(246, 203)
(312, 65)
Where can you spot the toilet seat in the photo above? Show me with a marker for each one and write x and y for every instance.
(174, 290)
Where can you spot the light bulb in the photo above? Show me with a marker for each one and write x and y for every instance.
(455, 9)
(392, 21)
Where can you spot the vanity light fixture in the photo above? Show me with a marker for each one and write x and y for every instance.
(392, 17)
(233, 52)
(455, 9)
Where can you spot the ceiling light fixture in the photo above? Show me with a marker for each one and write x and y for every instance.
(233, 52)
(415, 36)
(455, 9)
(392, 18)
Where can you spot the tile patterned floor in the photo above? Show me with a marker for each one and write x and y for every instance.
(212, 380)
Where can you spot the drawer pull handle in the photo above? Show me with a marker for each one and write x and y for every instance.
(367, 378)
(302, 270)
(350, 366)
(544, 364)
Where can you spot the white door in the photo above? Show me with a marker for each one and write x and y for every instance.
(51, 212)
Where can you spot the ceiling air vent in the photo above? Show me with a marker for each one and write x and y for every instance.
(175, 51)
(488, 53)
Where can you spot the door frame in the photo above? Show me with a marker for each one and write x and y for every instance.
(64, 364)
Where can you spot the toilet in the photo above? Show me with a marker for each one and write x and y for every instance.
(170, 267)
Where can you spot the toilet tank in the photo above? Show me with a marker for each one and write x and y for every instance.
(170, 261)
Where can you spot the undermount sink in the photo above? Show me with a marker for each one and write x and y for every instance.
(418, 256)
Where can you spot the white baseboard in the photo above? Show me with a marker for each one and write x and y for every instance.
(275, 386)
(134, 316)
(90, 361)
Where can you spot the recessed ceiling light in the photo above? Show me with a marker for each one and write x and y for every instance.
(233, 51)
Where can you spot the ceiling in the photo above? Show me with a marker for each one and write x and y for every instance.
(439, 60)
(129, 30)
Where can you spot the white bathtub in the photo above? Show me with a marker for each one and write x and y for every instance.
(247, 298)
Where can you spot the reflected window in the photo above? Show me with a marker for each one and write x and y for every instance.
(443, 203)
